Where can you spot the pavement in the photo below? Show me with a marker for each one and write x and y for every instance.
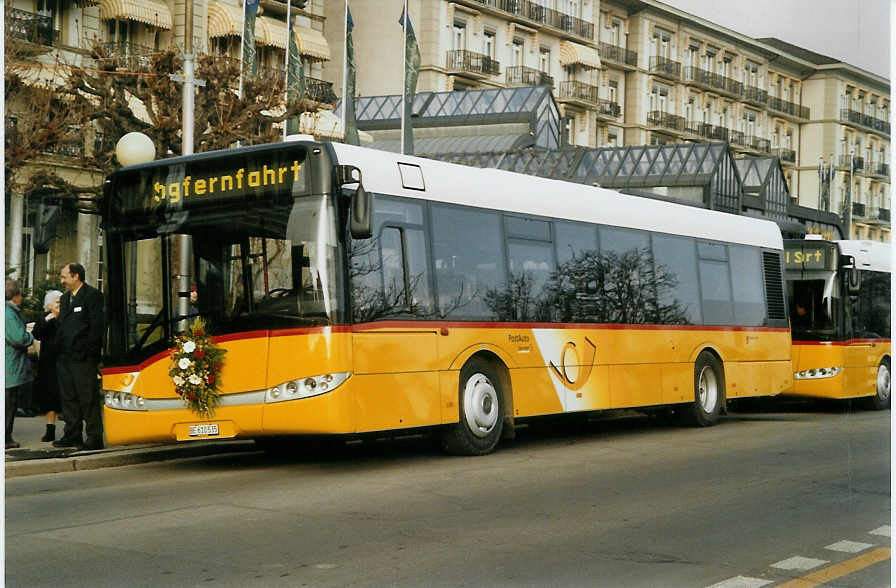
(38, 457)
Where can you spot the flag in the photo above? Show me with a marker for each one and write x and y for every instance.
(249, 63)
(348, 102)
(411, 70)
(295, 75)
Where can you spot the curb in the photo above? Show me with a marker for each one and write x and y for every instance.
(117, 457)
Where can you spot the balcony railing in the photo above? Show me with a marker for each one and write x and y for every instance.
(72, 147)
(788, 107)
(858, 209)
(658, 118)
(665, 67)
(618, 54)
(125, 55)
(31, 27)
(575, 90)
(866, 120)
(858, 162)
(737, 138)
(713, 80)
(880, 169)
(758, 143)
(520, 75)
(756, 95)
(784, 154)
(883, 214)
(460, 60)
(544, 15)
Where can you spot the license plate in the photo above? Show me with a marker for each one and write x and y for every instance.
(197, 430)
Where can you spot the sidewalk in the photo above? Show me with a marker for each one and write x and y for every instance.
(36, 457)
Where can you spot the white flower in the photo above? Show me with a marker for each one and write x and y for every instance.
(189, 346)
(178, 381)
(194, 379)
(184, 363)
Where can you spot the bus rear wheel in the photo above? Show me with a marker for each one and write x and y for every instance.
(709, 391)
(881, 398)
(481, 411)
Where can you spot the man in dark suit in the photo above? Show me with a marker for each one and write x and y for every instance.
(79, 337)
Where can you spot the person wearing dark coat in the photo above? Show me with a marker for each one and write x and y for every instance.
(46, 384)
(18, 369)
(79, 336)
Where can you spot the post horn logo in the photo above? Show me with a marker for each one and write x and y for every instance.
(570, 357)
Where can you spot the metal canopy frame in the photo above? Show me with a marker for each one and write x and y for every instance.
(534, 105)
(709, 166)
(764, 178)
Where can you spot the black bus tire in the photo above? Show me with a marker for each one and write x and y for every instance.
(709, 391)
(881, 398)
(481, 411)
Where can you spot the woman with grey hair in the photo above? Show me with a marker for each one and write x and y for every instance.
(46, 384)
(18, 368)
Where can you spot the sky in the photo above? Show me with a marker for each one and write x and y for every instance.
(854, 31)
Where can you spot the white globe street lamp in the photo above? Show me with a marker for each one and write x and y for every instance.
(134, 148)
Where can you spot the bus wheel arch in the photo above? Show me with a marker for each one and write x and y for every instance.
(709, 389)
(484, 407)
(881, 398)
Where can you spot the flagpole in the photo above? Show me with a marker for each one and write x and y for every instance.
(242, 48)
(345, 71)
(404, 77)
(289, 32)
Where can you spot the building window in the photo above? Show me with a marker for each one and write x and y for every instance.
(613, 91)
(544, 60)
(459, 40)
(119, 31)
(661, 43)
(488, 44)
(691, 59)
(709, 59)
(517, 48)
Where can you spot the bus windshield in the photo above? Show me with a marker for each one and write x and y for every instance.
(816, 302)
(268, 264)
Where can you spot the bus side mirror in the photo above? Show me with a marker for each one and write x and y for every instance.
(853, 281)
(360, 217)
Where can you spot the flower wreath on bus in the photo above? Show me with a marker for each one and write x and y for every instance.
(195, 370)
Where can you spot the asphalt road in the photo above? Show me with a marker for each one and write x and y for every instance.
(760, 499)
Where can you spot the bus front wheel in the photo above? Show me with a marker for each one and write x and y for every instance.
(481, 411)
(709, 391)
(881, 398)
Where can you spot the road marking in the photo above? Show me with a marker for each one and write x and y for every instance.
(841, 569)
(741, 582)
(799, 562)
(849, 546)
(885, 531)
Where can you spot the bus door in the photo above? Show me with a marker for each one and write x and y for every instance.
(861, 351)
(394, 355)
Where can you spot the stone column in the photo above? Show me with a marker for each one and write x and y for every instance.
(14, 234)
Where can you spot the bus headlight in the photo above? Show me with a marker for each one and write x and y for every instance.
(124, 400)
(817, 373)
(306, 387)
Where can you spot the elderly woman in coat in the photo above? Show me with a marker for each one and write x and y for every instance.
(18, 368)
(46, 386)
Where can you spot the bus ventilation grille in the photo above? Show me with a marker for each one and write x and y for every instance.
(774, 288)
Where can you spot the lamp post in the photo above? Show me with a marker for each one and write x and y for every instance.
(133, 149)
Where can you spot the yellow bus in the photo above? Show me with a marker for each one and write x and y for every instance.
(359, 291)
(839, 296)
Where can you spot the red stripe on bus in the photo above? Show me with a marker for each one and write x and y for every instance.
(841, 343)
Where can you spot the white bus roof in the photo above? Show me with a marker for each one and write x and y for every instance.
(531, 195)
(869, 255)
